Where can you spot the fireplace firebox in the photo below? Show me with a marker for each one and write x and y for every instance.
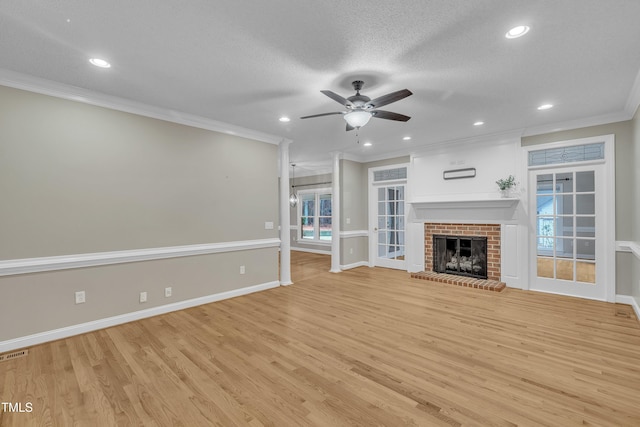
(460, 255)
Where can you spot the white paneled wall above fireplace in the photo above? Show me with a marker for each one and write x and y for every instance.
(473, 200)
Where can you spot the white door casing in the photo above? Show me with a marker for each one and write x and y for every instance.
(572, 222)
(388, 219)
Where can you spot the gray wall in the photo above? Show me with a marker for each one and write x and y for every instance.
(76, 178)
(353, 209)
(626, 163)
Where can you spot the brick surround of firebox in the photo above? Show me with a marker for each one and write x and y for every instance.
(490, 231)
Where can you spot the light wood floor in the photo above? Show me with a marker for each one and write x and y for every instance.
(364, 347)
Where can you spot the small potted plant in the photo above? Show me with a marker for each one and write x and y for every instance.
(505, 185)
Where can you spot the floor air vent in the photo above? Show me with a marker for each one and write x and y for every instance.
(14, 355)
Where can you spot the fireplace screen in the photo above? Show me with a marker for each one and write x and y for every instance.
(461, 255)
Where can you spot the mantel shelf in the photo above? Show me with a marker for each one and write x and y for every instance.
(496, 203)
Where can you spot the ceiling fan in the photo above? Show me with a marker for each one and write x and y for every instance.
(361, 108)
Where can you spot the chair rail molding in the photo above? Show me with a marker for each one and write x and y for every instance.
(34, 265)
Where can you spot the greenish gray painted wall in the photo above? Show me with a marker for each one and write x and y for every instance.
(353, 213)
(76, 178)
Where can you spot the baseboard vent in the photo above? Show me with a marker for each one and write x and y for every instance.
(624, 312)
(14, 355)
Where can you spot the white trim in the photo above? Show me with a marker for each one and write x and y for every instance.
(623, 246)
(313, 242)
(609, 168)
(73, 93)
(34, 265)
(82, 328)
(355, 265)
(634, 98)
(285, 213)
(316, 192)
(354, 233)
(372, 186)
(629, 300)
(335, 214)
(577, 124)
(311, 251)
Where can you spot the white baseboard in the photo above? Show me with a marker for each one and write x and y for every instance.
(354, 265)
(56, 334)
(313, 251)
(629, 300)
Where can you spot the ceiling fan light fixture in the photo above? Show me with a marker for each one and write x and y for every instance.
(357, 118)
(516, 32)
(99, 62)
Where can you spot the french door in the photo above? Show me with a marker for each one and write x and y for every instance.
(389, 229)
(568, 225)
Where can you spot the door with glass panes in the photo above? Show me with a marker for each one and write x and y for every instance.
(567, 226)
(390, 226)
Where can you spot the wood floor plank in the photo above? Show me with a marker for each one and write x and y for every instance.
(365, 347)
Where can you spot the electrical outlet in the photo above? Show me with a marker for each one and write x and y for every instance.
(168, 292)
(143, 297)
(242, 269)
(80, 297)
(351, 251)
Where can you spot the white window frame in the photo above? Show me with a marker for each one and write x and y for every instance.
(316, 227)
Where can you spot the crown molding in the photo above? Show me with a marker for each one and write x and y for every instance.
(633, 101)
(74, 93)
(578, 123)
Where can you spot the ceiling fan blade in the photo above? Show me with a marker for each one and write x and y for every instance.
(381, 114)
(337, 98)
(349, 127)
(323, 114)
(389, 98)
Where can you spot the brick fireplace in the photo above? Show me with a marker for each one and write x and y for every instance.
(490, 231)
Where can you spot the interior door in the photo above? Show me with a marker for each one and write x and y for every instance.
(389, 230)
(567, 231)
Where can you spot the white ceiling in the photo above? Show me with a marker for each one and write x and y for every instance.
(247, 63)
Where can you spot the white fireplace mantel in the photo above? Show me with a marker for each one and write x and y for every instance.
(500, 203)
(468, 209)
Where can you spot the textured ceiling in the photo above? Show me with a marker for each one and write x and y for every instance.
(248, 63)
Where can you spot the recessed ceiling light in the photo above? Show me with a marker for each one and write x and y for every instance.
(516, 32)
(479, 123)
(284, 119)
(545, 106)
(406, 138)
(100, 63)
(367, 144)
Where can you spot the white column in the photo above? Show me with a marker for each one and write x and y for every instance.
(285, 220)
(335, 216)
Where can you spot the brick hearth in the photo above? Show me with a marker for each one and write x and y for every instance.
(468, 282)
(490, 231)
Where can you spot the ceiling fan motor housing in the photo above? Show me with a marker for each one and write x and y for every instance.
(357, 85)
